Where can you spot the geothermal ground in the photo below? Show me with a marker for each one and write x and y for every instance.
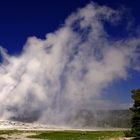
(15, 125)
(12, 130)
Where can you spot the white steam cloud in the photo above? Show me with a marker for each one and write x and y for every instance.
(52, 79)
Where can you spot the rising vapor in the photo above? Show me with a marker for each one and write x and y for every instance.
(53, 79)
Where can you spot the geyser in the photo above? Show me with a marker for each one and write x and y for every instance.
(54, 79)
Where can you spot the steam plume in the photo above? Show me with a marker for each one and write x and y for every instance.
(52, 79)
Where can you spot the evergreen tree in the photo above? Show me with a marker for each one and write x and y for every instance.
(136, 114)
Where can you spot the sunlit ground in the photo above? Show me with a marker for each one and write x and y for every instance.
(60, 135)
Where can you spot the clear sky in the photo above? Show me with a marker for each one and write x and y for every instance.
(24, 18)
(20, 19)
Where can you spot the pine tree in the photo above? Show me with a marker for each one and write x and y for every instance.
(136, 114)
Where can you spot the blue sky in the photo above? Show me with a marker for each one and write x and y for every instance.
(22, 19)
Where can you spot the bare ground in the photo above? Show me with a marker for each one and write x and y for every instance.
(19, 136)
